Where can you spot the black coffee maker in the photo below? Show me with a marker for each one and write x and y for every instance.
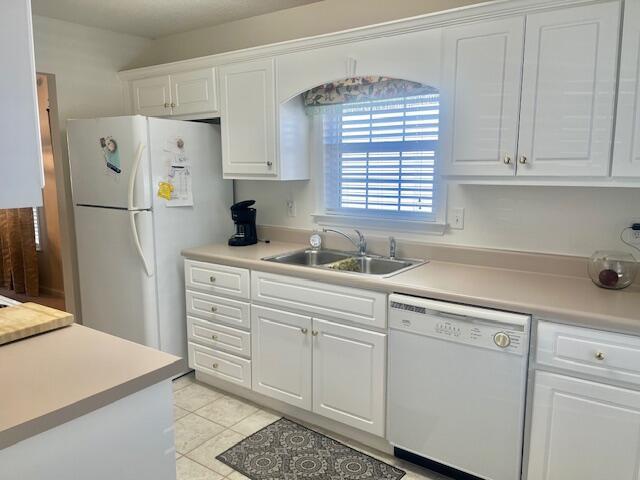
(245, 219)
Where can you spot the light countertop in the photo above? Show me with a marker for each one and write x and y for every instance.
(568, 299)
(55, 377)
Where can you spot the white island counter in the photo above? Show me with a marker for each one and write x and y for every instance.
(76, 403)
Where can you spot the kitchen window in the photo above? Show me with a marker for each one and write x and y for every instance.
(381, 163)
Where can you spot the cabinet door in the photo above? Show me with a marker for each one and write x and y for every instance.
(248, 119)
(568, 90)
(626, 150)
(22, 178)
(194, 92)
(152, 96)
(480, 97)
(584, 430)
(281, 355)
(349, 372)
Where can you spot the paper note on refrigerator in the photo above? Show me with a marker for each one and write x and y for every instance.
(180, 180)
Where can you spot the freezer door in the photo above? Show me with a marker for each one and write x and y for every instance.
(116, 293)
(109, 160)
(178, 227)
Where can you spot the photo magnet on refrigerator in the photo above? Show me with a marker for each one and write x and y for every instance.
(111, 154)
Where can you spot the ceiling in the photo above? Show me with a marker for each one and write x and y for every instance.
(157, 18)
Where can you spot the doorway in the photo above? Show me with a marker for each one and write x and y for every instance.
(53, 286)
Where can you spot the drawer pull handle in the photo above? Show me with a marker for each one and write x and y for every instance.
(212, 279)
(215, 365)
(314, 333)
(599, 356)
(304, 331)
(214, 337)
(214, 309)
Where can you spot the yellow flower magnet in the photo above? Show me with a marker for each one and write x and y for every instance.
(164, 190)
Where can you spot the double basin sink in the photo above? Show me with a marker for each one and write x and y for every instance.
(346, 262)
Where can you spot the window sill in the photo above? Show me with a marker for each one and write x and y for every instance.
(383, 224)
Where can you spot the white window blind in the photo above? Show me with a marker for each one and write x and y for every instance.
(380, 158)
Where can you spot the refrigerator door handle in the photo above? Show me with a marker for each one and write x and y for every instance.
(136, 241)
(134, 174)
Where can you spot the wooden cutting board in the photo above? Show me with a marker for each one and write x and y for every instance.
(27, 319)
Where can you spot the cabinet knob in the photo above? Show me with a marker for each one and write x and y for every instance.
(166, 105)
(214, 337)
(599, 356)
(523, 159)
(314, 333)
(507, 159)
(215, 365)
(269, 164)
(304, 331)
(214, 309)
(212, 279)
(173, 105)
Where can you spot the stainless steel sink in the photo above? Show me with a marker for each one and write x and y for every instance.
(372, 265)
(346, 262)
(309, 257)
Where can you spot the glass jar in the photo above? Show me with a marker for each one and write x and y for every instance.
(611, 269)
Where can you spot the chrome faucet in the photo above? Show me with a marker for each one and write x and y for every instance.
(360, 244)
(392, 247)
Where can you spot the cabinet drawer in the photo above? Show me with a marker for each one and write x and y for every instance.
(219, 364)
(218, 279)
(219, 309)
(607, 355)
(343, 303)
(228, 339)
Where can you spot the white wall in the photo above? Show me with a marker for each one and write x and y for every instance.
(304, 21)
(85, 62)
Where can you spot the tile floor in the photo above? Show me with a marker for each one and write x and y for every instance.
(208, 422)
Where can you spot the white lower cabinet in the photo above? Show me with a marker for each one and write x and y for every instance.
(349, 372)
(335, 370)
(281, 353)
(583, 430)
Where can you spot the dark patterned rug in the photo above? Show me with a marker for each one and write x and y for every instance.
(286, 450)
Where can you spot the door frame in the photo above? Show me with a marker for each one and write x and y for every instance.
(68, 254)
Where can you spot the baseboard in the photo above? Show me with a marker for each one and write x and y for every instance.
(54, 292)
(304, 417)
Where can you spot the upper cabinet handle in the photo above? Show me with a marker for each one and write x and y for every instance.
(507, 159)
(523, 159)
(269, 164)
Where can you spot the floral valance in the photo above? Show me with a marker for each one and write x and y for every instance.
(359, 89)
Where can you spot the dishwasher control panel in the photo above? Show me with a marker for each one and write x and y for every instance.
(487, 329)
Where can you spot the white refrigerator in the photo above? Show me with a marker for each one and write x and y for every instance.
(143, 189)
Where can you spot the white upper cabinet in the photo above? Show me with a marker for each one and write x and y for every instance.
(21, 180)
(184, 93)
(480, 97)
(626, 151)
(248, 110)
(152, 96)
(568, 91)
(262, 138)
(194, 92)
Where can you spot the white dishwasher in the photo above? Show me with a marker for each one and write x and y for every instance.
(457, 384)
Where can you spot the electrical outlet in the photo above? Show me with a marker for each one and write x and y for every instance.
(457, 218)
(291, 208)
